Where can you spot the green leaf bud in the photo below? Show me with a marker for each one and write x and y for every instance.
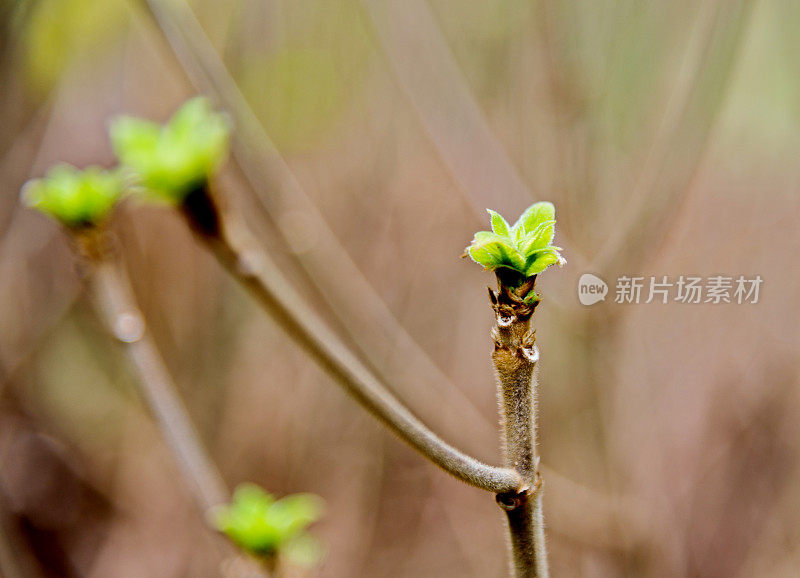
(173, 160)
(76, 198)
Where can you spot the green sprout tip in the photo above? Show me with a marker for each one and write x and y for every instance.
(526, 247)
(76, 198)
(268, 527)
(175, 159)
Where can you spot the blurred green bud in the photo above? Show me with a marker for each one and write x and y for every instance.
(525, 247)
(76, 198)
(173, 160)
(267, 527)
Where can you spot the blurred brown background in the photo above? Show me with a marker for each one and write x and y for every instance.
(666, 134)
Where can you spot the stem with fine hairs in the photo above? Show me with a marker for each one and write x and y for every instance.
(515, 356)
(117, 306)
(234, 247)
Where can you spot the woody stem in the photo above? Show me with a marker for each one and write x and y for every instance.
(229, 239)
(515, 357)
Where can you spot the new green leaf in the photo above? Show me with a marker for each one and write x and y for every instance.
(174, 159)
(76, 198)
(525, 247)
(533, 216)
(265, 526)
(541, 260)
(492, 251)
(539, 238)
(499, 224)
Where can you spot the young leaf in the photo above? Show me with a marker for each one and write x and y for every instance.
(76, 198)
(533, 216)
(499, 224)
(539, 238)
(532, 298)
(492, 251)
(264, 526)
(293, 513)
(541, 260)
(526, 247)
(174, 159)
(135, 137)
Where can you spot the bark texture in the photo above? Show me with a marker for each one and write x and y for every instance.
(515, 357)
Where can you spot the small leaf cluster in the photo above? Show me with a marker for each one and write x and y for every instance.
(76, 198)
(168, 161)
(268, 527)
(525, 247)
(176, 158)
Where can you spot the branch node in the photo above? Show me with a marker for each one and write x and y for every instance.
(201, 211)
(529, 352)
(128, 326)
(510, 501)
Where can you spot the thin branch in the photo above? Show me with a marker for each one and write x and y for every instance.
(237, 250)
(116, 304)
(371, 324)
(362, 312)
(515, 356)
(427, 72)
(10, 564)
(716, 41)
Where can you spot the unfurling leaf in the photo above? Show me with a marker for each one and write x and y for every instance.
(499, 224)
(533, 216)
(267, 527)
(526, 247)
(173, 160)
(76, 198)
(492, 250)
(539, 238)
(541, 260)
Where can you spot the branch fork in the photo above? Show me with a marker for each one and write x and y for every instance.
(229, 239)
(517, 485)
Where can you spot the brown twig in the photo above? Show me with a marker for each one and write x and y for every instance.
(118, 308)
(427, 72)
(257, 156)
(715, 43)
(515, 356)
(235, 248)
(363, 314)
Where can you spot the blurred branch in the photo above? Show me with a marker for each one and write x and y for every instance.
(702, 83)
(365, 315)
(10, 567)
(14, 19)
(562, 122)
(17, 350)
(237, 250)
(9, 366)
(361, 311)
(18, 160)
(427, 72)
(116, 304)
